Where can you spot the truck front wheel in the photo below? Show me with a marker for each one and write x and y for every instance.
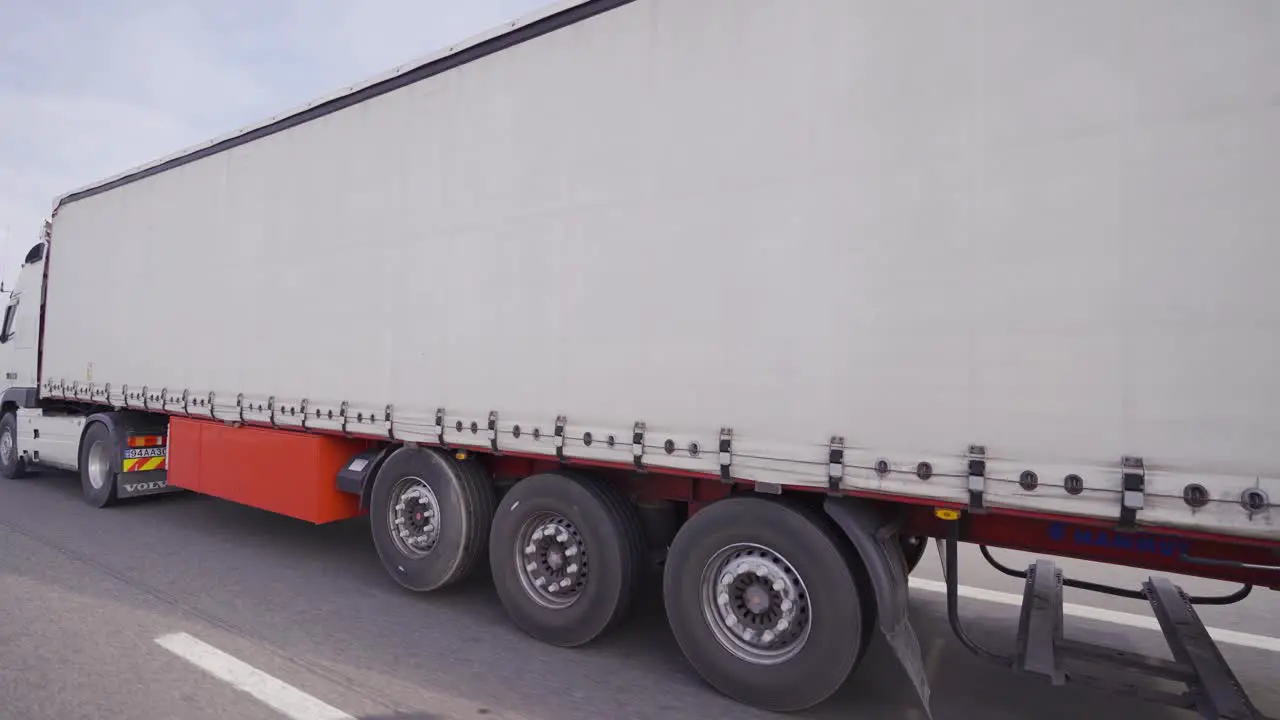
(11, 462)
(761, 597)
(99, 461)
(566, 554)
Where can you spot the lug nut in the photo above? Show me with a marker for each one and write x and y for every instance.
(786, 605)
(779, 585)
(572, 569)
(782, 625)
(530, 549)
(749, 635)
(723, 599)
(571, 551)
(539, 581)
(562, 537)
(531, 566)
(726, 579)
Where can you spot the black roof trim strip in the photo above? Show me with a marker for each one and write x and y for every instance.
(496, 44)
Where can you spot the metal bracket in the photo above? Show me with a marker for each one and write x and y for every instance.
(440, 428)
(342, 412)
(271, 411)
(306, 409)
(240, 406)
(977, 478)
(726, 455)
(561, 421)
(1217, 692)
(146, 397)
(186, 402)
(835, 464)
(1040, 624)
(637, 446)
(1133, 483)
(387, 414)
(493, 432)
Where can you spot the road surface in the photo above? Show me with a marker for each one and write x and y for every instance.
(189, 607)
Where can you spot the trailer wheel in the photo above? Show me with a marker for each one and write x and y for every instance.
(566, 555)
(762, 599)
(430, 517)
(11, 462)
(99, 461)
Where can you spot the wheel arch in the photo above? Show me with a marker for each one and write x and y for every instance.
(872, 527)
(120, 423)
(18, 397)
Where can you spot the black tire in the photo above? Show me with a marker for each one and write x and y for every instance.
(463, 499)
(99, 466)
(913, 549)
(827, 597)
(12, 464)
(606, 533)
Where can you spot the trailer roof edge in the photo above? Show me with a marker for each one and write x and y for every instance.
(527, 27)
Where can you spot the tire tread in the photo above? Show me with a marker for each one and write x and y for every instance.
(481, 502)
(626, 520)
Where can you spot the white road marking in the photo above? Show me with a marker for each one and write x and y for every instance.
(283, 697)
(1231, 637)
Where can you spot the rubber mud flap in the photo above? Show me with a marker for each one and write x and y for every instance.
(873, 530)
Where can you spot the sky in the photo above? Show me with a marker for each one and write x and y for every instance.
(89, 88)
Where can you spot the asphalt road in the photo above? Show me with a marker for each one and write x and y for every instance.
(84, 595)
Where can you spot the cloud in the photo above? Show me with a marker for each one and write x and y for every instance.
(89, 89)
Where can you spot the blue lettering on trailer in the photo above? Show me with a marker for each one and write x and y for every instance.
(1129, 542)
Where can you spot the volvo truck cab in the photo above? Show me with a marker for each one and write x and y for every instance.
(40, 432)
(32, 433)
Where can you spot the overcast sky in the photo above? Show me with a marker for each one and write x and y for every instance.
(89, 88)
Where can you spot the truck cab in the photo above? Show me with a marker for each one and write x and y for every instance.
(20, 332)
(33, 432)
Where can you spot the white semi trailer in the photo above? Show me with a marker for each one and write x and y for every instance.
(768, 292)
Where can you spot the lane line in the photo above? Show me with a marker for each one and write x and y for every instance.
(283, 697)
(1231, 637)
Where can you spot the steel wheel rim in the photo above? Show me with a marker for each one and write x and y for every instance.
(99, 464)
(756, 604)
(551, 560)
(6, 446)
(414, 517)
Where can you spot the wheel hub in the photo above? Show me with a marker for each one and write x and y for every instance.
(414, 518)
(756, 604)
(551, 560)
(6, 446)
(99, 465)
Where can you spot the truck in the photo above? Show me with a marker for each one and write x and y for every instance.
(754, 298)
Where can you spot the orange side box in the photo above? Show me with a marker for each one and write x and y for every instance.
(290, 473)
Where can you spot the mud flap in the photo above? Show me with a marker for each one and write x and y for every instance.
(138, 484)
(873, 530)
